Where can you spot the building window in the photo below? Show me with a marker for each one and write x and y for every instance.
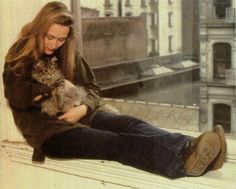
(127, 3)
(107, 4)
(170, 15)
(170, 38)
(222, 116)
(153, 19)
(154, 47)
(143, 4)
(153, 5)
(220, 8)
(221, 59)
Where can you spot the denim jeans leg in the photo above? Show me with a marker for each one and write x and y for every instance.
(124, 124)
(149, 148)
(124, 139)
(149, 153)
(84, 143)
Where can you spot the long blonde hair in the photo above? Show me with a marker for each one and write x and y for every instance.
(29, 43)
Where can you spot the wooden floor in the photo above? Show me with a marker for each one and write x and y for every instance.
(16, 166)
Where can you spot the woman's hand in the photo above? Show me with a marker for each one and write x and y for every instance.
(37, 98)
(74, 114)
(68, 84)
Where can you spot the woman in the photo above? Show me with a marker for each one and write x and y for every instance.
(83, 132)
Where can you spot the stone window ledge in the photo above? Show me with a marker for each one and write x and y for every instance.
(122, 176)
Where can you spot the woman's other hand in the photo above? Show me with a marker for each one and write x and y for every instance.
(37, 98)
(74, 114)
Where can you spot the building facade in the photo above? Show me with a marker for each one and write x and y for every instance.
(217, 64)
(164, 21)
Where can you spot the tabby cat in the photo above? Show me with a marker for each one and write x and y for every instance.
(48, 73)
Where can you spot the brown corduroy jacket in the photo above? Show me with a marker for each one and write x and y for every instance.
(35, 125)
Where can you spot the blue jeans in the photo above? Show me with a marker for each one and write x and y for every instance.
(124, 139)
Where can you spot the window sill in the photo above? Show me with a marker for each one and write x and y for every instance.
(113, 173)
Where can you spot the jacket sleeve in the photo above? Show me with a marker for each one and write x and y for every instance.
(86, 78)
(21, 90)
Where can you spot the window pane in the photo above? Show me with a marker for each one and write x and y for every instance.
(168, 58)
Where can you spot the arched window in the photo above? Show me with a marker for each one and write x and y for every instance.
(221, 59)
(222, 116)
(220, 8)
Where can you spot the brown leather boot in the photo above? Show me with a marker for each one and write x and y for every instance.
(200, 153)
(220, 158)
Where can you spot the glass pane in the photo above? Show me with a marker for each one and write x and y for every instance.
(143, 49)
(159, 56)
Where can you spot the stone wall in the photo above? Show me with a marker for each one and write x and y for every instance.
(109, 40)
(161, 115)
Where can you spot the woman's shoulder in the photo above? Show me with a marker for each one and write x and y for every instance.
(16, 69)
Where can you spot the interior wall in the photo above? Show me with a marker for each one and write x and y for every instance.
(13, 15)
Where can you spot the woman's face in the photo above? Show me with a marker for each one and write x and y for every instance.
(55, 38)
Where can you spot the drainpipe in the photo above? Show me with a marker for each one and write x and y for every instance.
(76, 10)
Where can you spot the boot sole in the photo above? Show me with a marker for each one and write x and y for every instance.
(218, 162)
(206, 151)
